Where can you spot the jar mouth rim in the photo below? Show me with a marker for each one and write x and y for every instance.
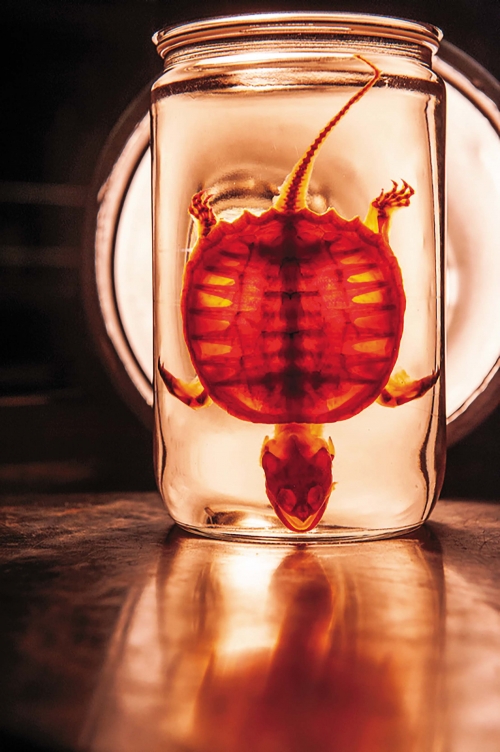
(301, 24)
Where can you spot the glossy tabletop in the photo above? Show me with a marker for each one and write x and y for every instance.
(121, 632)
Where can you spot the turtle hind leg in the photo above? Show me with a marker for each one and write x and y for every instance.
(297, 463)
(401, 388)
(379, 215)
(202, 212)
(191, 393)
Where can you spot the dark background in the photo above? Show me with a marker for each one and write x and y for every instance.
(69, 70)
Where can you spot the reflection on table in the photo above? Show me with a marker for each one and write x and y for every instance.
(279, 648)
(119, 637)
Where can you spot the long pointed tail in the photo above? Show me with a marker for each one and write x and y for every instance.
(293, 192)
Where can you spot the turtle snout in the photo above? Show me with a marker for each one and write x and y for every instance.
(298, 470)
(301, 505)
(299, 510)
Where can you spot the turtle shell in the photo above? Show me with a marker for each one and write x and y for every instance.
(293, 317)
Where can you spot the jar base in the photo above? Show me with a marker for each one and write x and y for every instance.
(263, 531)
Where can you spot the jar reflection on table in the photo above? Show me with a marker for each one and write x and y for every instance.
(237, 648)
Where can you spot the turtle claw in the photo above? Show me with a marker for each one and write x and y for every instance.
(394, 198)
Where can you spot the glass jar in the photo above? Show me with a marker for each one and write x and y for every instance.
(298, 262)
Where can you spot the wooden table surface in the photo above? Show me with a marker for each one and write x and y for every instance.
(120, 633)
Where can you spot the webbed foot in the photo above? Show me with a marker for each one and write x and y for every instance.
(201, 210)
(381, 209)
(191, 393)
(401, 388)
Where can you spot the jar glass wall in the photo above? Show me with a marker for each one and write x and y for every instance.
(298, 231)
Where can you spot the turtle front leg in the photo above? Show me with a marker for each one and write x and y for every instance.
(191, 393)
(380, 212)
(297, 463)
(401, 388)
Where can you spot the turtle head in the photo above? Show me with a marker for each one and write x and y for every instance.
(297, 464)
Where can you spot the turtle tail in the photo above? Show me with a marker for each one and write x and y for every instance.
(293, 192)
